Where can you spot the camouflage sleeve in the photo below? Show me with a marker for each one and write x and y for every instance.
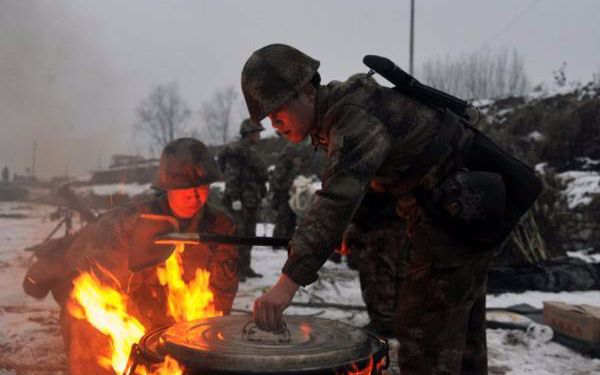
(358, 145)
(232, 173)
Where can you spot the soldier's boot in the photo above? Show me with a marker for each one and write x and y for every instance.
(244, 264)
(249, 272)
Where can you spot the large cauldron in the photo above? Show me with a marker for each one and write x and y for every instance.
(233, 345)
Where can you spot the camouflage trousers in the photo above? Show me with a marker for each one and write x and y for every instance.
(378, 258)
(285, 222)
(440, 314)
(246, 226)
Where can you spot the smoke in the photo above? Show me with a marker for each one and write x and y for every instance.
(57, 90)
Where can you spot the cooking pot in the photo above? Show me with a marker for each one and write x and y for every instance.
(234, 345)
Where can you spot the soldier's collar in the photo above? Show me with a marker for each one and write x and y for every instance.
(318, 134)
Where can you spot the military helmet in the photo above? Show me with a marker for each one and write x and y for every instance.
(272, 75)
(186, 163)
(247, 126)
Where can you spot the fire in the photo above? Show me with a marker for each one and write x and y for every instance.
(105, 308)
(186, 301)
(367, 370)
(169, 367)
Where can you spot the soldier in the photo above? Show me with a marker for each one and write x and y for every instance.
(185, 172)
(245, 187)
(286, 169)
(5, 175)
(377, 141)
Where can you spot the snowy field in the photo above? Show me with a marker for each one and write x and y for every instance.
(30, 340)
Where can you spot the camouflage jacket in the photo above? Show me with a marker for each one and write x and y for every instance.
(374, 138)
(245, 174)
(106, 243)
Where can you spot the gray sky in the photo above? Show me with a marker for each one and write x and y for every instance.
(72, 72)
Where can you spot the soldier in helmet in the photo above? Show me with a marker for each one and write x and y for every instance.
(286, 169)
(384, 144)
(245, 187)
(104, 248)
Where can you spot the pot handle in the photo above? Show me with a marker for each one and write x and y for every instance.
(132, 361)
(250, 328)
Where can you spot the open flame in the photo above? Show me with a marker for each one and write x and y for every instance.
(367, 370)
(186, 301)
(105, 308)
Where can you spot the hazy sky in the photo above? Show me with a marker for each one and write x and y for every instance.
(72, 72)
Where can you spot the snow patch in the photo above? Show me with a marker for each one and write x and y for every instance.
(535, 136)
(110, 189)
(581, 188)
(537, 298)
(540, 168)
(585, 255)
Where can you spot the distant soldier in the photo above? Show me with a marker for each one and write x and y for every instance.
(245, 187)
(185, 172)
(286, 169)
(5, 174)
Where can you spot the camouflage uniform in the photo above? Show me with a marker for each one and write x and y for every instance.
(245, 179)
(375, 138)
(373, 238)
(103, 248)
(286, 170)
(105, 244)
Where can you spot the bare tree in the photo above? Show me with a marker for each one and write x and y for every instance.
(163, 115)
(478, 75)
(219, 112)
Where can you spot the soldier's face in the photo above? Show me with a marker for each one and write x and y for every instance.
(254, 137)
(295, 118)
(186, 202)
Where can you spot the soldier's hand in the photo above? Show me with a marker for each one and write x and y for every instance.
(268, 308)
(236, 205)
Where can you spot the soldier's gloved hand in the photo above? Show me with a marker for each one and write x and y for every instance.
(236, 205)
(268, 308)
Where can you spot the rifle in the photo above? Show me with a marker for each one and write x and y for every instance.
(409, 85)
(155, 238)
(197, 238)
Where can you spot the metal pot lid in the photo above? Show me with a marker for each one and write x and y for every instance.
(233, 343)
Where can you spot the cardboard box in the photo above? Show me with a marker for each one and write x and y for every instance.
(581, 322)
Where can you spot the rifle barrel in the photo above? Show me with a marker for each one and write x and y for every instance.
(195, 238)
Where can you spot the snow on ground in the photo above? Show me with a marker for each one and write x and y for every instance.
(110, 189)
(581, 186)
(30, 337)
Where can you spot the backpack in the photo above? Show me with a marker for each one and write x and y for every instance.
(504, 186)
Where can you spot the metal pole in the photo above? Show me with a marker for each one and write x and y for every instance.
(412, 36)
